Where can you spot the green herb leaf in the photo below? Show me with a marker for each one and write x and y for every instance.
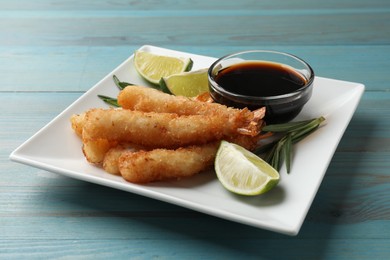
(291, 133)
(288, 152)
(109, 100)
(286, 127)
(266, 147)
(113, 101)
(308, 128)
(121, 84)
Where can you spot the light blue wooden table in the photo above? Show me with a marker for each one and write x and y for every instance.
(52, 51)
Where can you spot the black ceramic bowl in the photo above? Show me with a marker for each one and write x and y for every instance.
(279, 81)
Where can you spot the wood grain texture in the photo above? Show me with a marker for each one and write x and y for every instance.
(163, 5)
(78, 68)
(335, 29)
(52, 51)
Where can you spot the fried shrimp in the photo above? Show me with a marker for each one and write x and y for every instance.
(163, 130)
(110, 161)
(95, 150)
(77, 122)
(166, 164)
(148, 100)
(111, 157)
(102, 129)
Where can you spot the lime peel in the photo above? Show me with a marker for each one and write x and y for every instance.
(242, 172)
(152, 67)
(187, 84)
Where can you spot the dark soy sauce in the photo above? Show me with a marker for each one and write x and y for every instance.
(260, 79)
(258, 82)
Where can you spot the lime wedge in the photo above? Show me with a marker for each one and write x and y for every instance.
(153, 67)
(242, 172)
(187, 84)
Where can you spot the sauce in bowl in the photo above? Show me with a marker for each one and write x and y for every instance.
(262, 79)
(283, 88)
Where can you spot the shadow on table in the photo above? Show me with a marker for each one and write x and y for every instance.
(334, 205)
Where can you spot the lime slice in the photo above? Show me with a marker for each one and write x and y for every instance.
(243, 172)
(188, 84)
(153, 67)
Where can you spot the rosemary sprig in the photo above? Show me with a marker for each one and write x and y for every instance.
(291, 133)
(121, 84)
(113, 101)
(109, 100)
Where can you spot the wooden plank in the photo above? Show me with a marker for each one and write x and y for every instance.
(67, 225)
(185, 5)
(196, 248)
(284, 29)
(78, 68)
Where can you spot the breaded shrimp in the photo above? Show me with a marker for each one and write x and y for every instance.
(148, 100)
(110, 161)
(165, 164)
(111, 158)
(95, 150)
(161, 130)
(78, 123)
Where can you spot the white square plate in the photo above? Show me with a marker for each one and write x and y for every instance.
(56, 148)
